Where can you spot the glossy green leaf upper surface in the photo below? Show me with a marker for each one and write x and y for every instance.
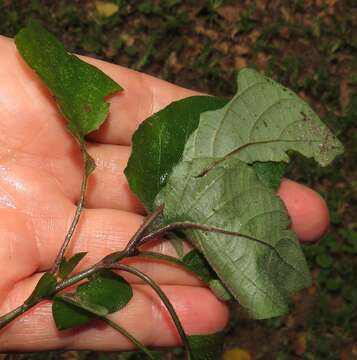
(159, 142)
(262, 122)
(45, 287)
(67, 315)
(103, 291)
(79, 88)
(262, 274)
(107, 289)
(93, 308)
(67, 266)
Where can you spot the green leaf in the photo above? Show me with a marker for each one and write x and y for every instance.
(44, 288)
(195, 262)
(262, 123)
(176, 240)
(67, 266)
(219, 289)
(263, 273)
(90, 307)
(107, 289)
(324, 260)
(212, 185)
(84, 311)
(79, 88)
(89, 165)
(159, 142)
(206, 347)
(67, 315)
(104, 292)
(270, 173)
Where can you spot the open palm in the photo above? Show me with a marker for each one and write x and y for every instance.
(40, 178)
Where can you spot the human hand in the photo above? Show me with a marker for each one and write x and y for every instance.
(40, 178)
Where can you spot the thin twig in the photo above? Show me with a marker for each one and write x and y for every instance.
(13, 314)
(135, 341)
(159, 256)
(162, 296)
(76, 217)
(135, 240)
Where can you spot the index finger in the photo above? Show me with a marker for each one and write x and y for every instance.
(143, 96)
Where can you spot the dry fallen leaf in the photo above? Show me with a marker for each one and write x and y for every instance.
(127, 39)
(106, 9)
(69, 355)
(222, 47)
(300, 344)
(210, 34)
(174, 65)
(345, 94)
(253, 36)
(237, 354)
(262, 60)
(240, 62)
(241, 50)
(230, 13)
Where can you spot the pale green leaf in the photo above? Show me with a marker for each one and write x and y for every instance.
(176, 241)
(262, 122)
(270, 172)
(219, 289)
(261, 274)
(227, 180)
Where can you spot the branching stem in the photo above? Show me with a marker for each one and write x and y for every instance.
(105, 262)
(135, 241)
(13, 314)
(112, 262)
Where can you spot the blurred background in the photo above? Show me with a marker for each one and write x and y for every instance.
(309, 46)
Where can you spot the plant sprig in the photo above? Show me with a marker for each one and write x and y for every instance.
(212, 180)
(48, 287)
